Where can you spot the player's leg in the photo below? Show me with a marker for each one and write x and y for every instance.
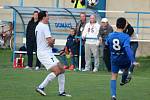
(52, 75)
(61, 81)
(113, 82)
(51, 64)
(56, 70)
(125, 76)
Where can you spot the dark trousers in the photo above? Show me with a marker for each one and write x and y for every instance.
(106, 58)
(31, 47)
(134, 46)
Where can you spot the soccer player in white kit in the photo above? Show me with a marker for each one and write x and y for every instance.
(45, 43)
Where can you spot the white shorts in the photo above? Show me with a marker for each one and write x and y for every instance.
(48, 60)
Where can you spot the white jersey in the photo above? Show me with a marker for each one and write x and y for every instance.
(91, 31)
(42, 32)
(44, 51)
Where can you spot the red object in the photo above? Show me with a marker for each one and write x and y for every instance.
(71, 67)
(65, 67)
(19, 62)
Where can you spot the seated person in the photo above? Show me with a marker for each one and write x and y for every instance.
(70, 50)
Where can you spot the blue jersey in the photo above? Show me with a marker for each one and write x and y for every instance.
(117, 42)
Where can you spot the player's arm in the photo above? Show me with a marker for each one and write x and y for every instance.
(130, 54)
(128, 50)
(50, 40)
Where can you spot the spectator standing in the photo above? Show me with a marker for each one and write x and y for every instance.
(134, 44)
(31, 41)
(90, 33)
(78, 3)
(105, 29)
(80, 28)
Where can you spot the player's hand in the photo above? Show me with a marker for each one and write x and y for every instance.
(100, 40)
(51, 41)
(136, 64)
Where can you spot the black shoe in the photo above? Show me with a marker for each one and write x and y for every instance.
(64, 94)
(113, 98)
(41, 91)
(127, 81)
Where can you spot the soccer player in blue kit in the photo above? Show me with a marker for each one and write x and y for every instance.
(121, 55)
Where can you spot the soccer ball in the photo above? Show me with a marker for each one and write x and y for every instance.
(92, 3)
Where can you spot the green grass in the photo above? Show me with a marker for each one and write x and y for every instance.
(19, 84)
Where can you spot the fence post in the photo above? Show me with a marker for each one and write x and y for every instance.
(21, 3)
(14, 29)
(80, 53)
(137, 23)
(57, 4)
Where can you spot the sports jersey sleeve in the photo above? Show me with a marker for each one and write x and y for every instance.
(130, 54)
(128, 49)
(127, 42)
(47, 32)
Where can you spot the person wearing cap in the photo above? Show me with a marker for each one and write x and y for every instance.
(105, 29)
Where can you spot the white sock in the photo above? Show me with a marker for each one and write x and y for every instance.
(61, 82)
(48, 78)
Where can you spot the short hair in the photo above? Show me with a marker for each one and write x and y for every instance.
(121, 23)
(83, 13)
(74, 29)
(41, 14)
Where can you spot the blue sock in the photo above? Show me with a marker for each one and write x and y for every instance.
(113, 87)
(124, 77)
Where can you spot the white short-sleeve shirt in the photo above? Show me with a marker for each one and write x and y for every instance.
(42, 32)
(44, 51)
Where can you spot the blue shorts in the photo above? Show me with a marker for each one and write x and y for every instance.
(115, 68)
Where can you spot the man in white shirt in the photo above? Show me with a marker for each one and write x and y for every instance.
(90, 33)
(45, 43)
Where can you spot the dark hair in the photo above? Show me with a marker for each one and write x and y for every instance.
(32, 19)
(121, 23)
(41, 14)
(35, 12)
(74, 29)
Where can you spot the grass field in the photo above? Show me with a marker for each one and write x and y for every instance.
(19, 84)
